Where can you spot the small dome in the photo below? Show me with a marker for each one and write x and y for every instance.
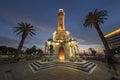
(72, 39)
(61, 10)
(50, 39)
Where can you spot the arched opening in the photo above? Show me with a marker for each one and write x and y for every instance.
(61, 54)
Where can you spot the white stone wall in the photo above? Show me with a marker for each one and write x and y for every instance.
(70, 48)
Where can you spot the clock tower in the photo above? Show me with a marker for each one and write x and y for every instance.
(64, 47)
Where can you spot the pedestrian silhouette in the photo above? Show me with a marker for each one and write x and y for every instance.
(111, 62)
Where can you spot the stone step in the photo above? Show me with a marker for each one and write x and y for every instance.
(45, 64)
(87, 66)
(38, 62)
(90, 67)
(86, 69)
(81, 63)
(37, 67)
(34, 67)
(74, 64)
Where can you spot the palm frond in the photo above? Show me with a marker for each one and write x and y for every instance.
(96, 17)
(19, 32)
(32, 33)
(24, 27)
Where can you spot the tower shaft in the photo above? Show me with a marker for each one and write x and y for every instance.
(61, 16)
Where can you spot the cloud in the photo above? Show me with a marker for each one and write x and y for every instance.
(33, 40)
(87, 40)
(90, 42)
(45, 28)
(11, 42)
(38, 26)
(8, 41)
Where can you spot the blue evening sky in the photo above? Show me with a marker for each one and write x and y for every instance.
(43, 15)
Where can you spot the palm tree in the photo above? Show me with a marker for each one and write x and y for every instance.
(25, 29)
(95, 19)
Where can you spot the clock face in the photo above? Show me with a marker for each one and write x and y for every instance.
(60, 13)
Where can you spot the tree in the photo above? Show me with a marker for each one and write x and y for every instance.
(51, 49)
(3, 50)
(40, 52)
(7, 50)
(11, 50)
(25, 29)
(93, 51)
(27, 51)
(95, 19)
(33, 50)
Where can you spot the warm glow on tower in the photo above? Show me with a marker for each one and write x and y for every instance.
(61, 54)
(61, 16)
(64, 46)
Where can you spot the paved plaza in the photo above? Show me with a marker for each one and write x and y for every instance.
(21, 71)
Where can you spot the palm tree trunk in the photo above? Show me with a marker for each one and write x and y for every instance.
(107, 49)
(20, 46)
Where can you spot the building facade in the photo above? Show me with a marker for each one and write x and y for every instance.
(62, 46)
(113, 39)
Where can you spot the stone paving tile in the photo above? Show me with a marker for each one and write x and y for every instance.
(21, 71)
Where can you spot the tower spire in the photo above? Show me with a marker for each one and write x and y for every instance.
(61, 16)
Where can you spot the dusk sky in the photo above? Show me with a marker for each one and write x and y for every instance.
(43, 15)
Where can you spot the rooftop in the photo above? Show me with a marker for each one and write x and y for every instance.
(112, 33)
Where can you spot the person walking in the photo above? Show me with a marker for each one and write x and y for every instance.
(111, 63)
